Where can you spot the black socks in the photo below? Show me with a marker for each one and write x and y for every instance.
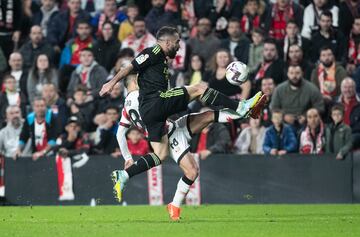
(145, 163)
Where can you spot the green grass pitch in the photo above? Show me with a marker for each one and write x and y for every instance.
(206, 220)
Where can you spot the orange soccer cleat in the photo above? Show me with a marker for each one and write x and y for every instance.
(174, 212)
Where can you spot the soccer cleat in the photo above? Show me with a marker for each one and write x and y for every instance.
(252, 107)
(255, 112)
(119, 179)
(174, 212)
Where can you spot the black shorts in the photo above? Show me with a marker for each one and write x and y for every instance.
(156, 109)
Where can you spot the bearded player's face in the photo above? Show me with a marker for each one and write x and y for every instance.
(173, 46)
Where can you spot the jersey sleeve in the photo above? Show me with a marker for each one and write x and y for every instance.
(125, 119)
(147, 58)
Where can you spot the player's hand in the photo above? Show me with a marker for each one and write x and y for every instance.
(106, 88)
(128, 163)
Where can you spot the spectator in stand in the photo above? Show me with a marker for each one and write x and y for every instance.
(281, 12)
(348, 98)
(70, 55)
(74, 141)
(237, 42)
(312, 13)
(158, 16)
(48, 11)
(126, 27)
(205, 43)
(217, 80)
(107, 47)
(272, 66)
(295, 56)
(41, 127)
(17, 71)
(138, 146)
(251, 139)
(92, 6)
(267, 87)
(195, 73)
(256, 50)
(328, 75)
(29, 7)
(109, 14)
(108, 143)
(299, 94)
(330, 37)
(280, 138)
(62, 26)
(208, 142)
(312, 138)
(337, 134)
(353, 60)
(11, 97)
(89, 73)
(293, 37)
(124, 58)
(10, 24)
(55, 103)
(34, 46)
(114, 99)
(140, 39)
(9, 135)
(349, 10)
(41, 73)
(254, 16)
(82, 106)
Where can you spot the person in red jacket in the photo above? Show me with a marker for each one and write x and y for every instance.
(138, 146)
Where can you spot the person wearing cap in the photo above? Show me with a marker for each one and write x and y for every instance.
(74, 141)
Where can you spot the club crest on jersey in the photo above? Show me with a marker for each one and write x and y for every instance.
(141, 58)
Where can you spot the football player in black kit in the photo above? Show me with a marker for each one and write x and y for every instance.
(157, 102)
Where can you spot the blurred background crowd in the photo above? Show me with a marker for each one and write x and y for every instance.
(304, 54)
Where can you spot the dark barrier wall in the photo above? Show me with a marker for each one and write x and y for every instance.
(224, 179)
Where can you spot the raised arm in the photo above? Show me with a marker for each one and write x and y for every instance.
(107, 87)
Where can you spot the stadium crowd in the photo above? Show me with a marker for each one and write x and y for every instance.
(304, 54)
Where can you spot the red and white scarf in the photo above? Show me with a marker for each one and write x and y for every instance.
(248, 23)
(279, 20)
(354, 52)
(307, 145)
(327, 81)
(263, 68)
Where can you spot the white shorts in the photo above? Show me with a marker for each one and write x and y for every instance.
(179, 138)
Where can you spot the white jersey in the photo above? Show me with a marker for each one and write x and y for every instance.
(179, 135)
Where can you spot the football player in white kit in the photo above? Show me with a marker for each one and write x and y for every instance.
(179, 133)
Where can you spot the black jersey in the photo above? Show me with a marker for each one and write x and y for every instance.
(151, 65)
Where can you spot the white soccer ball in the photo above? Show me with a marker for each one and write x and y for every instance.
(237, 73)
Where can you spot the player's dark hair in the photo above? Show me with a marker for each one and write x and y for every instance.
(166, 31)
(326, 13)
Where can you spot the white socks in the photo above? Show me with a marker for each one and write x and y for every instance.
(181, 192)
(227, 114)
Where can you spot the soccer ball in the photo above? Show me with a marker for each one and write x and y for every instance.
(237, 73)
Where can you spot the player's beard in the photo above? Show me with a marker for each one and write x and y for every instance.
(172, 53)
